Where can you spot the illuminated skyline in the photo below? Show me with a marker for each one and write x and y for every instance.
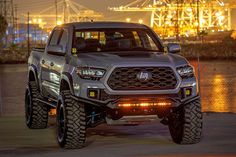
(100, 6)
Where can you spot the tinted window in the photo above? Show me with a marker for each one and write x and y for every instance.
(106, 40)
(64, 39)
(55, 37)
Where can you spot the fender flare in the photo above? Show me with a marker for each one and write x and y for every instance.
(68, 79)
(34, 70)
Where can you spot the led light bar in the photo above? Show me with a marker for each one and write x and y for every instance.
(144, 104)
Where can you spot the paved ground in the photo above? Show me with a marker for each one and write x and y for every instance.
(12, 88)
(147, 140)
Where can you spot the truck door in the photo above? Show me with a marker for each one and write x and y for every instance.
(54, 63)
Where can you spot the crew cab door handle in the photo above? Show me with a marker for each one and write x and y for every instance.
(51, 64)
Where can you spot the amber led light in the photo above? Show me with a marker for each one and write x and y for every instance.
(145, 104)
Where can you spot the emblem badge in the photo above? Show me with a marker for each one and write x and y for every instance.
(144, 76)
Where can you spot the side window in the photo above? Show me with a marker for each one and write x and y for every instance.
(55, 37)
(137, 39)
(152, 43)
(64, 39)
(147, 41)
(91, 35)
(118, 35)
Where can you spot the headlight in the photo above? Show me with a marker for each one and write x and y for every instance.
(186, 71)
(90, 73)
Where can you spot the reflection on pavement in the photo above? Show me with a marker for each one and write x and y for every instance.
(219, 94)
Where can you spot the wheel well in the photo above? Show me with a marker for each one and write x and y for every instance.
(31, 76)
(64, 85)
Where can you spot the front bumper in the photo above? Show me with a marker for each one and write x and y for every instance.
(176, 102)
(109, 99)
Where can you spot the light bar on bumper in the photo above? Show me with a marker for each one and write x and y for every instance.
(90, 73)
(163, 104)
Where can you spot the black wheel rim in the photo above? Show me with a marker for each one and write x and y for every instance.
(176, 127)
(61, 124)
(28, 106)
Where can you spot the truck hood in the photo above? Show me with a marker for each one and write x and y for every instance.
(107, 60)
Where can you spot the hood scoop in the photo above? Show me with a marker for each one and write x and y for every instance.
(134, 55)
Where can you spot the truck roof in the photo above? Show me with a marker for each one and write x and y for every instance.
(91, 25)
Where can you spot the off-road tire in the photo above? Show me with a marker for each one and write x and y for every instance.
(36, 113)
(71, 132)
(185, 125)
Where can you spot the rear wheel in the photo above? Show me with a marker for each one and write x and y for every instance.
(71, 122)
(185, 125)
(36, 113)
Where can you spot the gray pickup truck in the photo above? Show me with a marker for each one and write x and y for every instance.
(97, 72)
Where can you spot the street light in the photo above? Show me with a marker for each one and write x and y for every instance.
(59, 22)
(140, 21)
(128, 19)
(40, 21)
(34, 20)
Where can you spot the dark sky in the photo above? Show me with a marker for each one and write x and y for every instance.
(34, 6)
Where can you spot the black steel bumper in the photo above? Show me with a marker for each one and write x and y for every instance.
(177, 102)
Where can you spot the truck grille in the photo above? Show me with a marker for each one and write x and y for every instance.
(127, 78)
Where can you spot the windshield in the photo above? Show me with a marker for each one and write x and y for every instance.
(113, 40)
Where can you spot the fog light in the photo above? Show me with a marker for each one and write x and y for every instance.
(93, 94)
(188, 92)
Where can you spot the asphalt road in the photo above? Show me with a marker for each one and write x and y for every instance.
(146, 140)
(13, 80)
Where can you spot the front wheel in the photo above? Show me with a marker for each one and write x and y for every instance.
(71, 122)
(185, 125)
(36, 113)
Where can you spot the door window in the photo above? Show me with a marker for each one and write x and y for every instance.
(64, 39)
(55, 37)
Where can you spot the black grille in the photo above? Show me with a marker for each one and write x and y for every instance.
(126, 78)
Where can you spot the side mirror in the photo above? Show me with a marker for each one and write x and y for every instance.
(56, 50)
(173, 48)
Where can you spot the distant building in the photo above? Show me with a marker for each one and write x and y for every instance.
(20, 34)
